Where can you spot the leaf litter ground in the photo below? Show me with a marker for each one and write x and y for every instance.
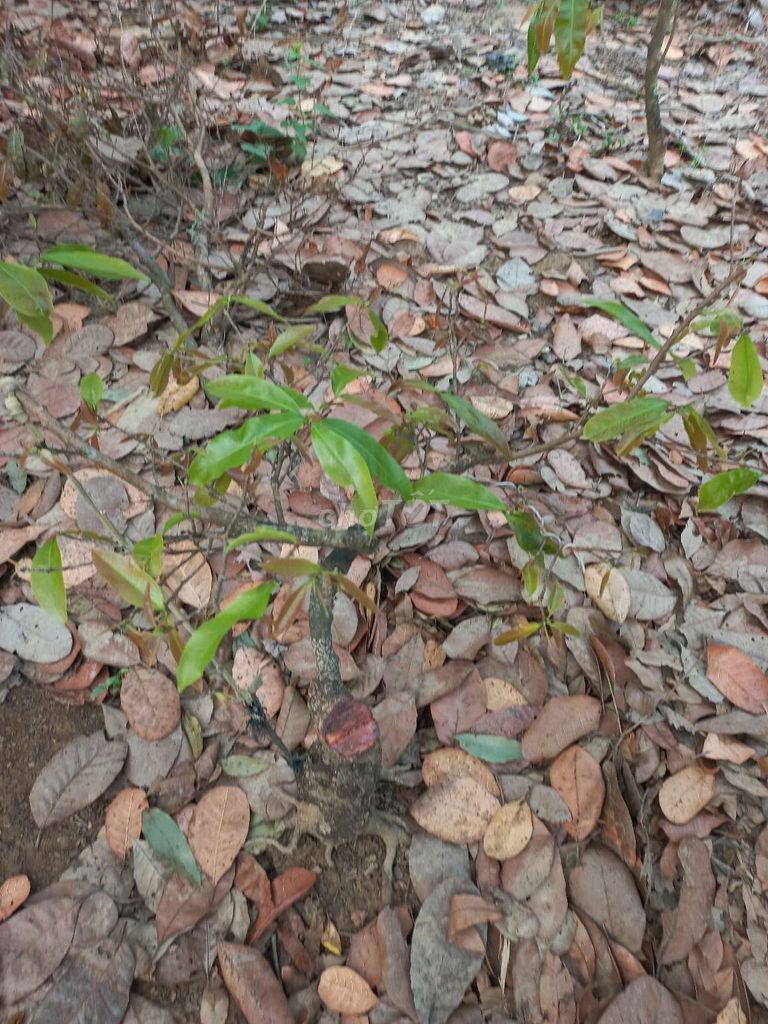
(587, 815)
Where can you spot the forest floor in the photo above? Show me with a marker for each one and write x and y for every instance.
(396, 152)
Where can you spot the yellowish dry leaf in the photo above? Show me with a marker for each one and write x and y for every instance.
(343, 990)
(218, 829)
(187, 573)
(685, 793)
(452, 762)
(13, 892)
(123, 821)
(455, 809)
(608, 591)
(509, 831)
(176, 396)
(500, 695)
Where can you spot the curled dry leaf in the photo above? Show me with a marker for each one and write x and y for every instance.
(577, 777)
(563, 721)
(457, 810)
(219, 828)
(123, 820)
(150, 702)
(452, 762)
(75, 777)
(13, 893)
(342, 990)
(509, 830)
(608, 591)
(685, 793)
(737, 676)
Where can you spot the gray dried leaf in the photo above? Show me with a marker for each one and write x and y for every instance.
(93, 985)
(33, 634)
(75, 777)
(431, 862)
(33, 943)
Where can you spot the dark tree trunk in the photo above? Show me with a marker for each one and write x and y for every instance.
(656, 140)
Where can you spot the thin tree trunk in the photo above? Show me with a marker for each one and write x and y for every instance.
(657, 145)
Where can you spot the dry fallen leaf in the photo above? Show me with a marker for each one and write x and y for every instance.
(737, 676)
(509, 830)
(456, 809)
(562, 721)
(123, 820)
(150, 702)
(219, 828)
(685, 793)
(452, 762)
(252, 984)
(13, 892)
(342, 990)
(608, 591)
(577, 777)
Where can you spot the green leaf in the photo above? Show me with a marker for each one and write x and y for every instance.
(721, 488)
(204, 642)
(531, 578)
(527, 531)
(260, 534)
(333, 303)
(745, 377)
(233, 448)
(127, 580)
(635, 414)
(92, 390)
(246, 392)
(477, 422)
(377, 458)
(242, 766)
(723, 323)
(258, 305)
(533, 50)
(161, 372)
(619, 312)
(83, 257)
(25, 290)
(519, 632)
(570, 33)
(460, 491)
(700, 433)
(149, 554)
(496, 749)
(169, 842)
(343, 375)
(380, 336)
(72, 280)
(295, 335)
(343, 463)
(40, 323)
(47, 580)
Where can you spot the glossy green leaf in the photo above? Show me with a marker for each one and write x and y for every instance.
(477, 422)
(169, 842)
(291, 568)
(459, 491)
(72, 280)
(635, 414)
(40, 323)
(202, 645)
(341, 376)
(148, 554)
(495, 749)
(527, 531)
(290, 338)
(161, 372)
(92, 390)
(254, 393)
(722, 487)
(343, 463)
(25, 290)
(262, 534)
(380, 336)
(47, 580)
(745, 377)
(233, 448)
(570, 33)
(625, 317)
(533, 50)
(380, 463)
(242, 766)
(333, 303)
(127, 580)
(83, 257)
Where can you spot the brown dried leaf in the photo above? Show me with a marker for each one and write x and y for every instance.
(643, 1001)
(13, 893)
(32, 945)
(342, 990)
(509, 830)
(737, 676)
(123, 820)
(75, 777)
(183, 904)
(188, 574)
(253, 985)
(563, 721)
(452, 763)
(577, 777)
(150, 702)
(604, 888)
(456, 809)
(685, 926)
(218, 829)
(685, 793)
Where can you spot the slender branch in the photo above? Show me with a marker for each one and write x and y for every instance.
(353, 539)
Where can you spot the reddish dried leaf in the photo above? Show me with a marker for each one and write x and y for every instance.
(685, 926)
(183, 904)
(604, 888)
(563, 721)
(123, 820)
(576, 776)
(253, 985)
(291, 885)
(13, 893)
(150, 702)
(218, 829)
(737, 676)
